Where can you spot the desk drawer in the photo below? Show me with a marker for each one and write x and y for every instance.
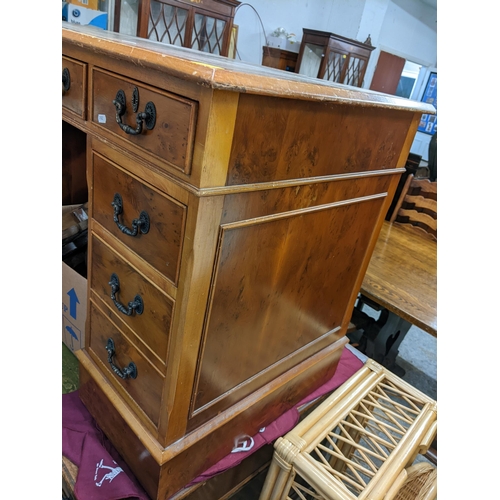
(158, 237)
(168, 130)
(74, 85)
(145, 389)
(137, 302)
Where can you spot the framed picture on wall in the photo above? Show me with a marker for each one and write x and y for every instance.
(233, 42)
(428, 123)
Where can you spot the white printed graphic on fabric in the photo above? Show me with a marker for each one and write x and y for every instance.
(114, 471)
(243, 443)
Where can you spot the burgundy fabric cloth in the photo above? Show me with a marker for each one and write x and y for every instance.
(348, 365)
(102, 474)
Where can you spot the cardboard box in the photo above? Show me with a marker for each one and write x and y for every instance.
(74, 308)
(83, 16)
(88, 4)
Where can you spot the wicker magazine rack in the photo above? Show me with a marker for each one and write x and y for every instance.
(358, 444)
(420, 483)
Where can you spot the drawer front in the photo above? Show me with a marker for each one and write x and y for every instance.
(74, 76)
(145, 389)
(137, 302)
(167, 131)
(149, 223)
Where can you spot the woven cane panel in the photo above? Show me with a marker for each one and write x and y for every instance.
(300, 490)
(362, 441)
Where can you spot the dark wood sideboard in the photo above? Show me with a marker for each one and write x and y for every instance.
(233, 210)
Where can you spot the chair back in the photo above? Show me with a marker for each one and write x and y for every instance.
(417, 207)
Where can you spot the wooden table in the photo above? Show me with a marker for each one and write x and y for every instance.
(401, 280)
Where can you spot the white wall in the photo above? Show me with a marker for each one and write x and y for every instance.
(406, 28)
(338, 16)
(409, 30)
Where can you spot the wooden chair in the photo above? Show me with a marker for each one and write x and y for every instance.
(417, 206)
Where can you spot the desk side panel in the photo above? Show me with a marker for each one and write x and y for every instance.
(282, 281)
(275, 140)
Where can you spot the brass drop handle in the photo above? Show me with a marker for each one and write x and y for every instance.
(128, 371)
(136, 305)
(146, 117)
(141, 224)
(66, 80)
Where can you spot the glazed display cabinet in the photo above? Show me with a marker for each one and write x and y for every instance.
(333, 57)
(204, 25)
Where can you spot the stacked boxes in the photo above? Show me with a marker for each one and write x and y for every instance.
(84, 12)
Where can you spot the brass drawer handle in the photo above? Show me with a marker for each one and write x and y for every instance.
(66, 80)
(148, 116)
(141, 224)
(128, 371)
(136, 305)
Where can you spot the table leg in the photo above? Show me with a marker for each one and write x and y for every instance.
(382, 342)
(380, 339)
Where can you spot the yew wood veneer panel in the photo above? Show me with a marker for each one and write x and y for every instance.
(275, 141)
(266, 202)
(126, 442)
(152, 326)
(172, 137)
(161, 244)
(280, 290)
(145, 389)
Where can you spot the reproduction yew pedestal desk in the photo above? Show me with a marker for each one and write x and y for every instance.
(233, 210)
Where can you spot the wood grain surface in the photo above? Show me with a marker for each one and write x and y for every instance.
(227, 74)
(267, 191)
(402, 276)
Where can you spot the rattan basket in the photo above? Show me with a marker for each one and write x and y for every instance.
(357, 444)
(420, 483)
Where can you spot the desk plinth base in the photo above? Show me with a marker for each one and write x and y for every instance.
(164, 471)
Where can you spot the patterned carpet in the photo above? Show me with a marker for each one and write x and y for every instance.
(69, 371)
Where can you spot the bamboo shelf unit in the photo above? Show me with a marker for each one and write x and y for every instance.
(357, 444)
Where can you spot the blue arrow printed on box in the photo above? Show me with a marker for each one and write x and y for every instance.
(73, 301)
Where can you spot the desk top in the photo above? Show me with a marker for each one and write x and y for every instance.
(402, 276)
(220, 72)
